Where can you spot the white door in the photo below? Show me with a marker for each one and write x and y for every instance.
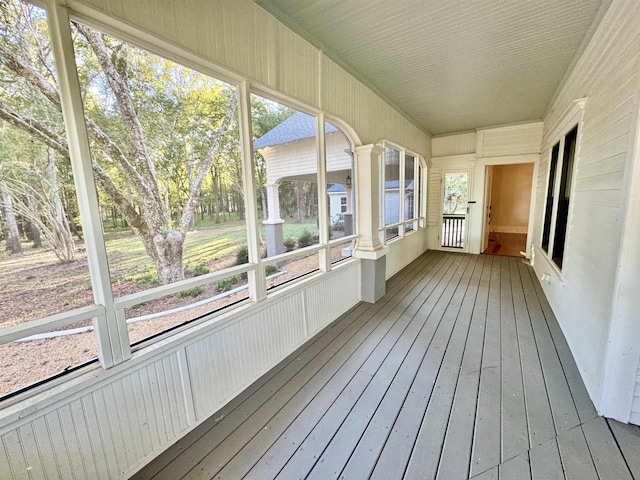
(455, 209)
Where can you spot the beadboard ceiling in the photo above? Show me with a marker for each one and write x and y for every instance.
(451, 65)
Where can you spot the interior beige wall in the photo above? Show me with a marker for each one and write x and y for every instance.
(511, 197)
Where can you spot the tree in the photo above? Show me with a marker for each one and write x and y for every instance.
(127, 118)
(13, 235)
(455, 193)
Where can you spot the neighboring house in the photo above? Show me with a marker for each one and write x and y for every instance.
(290, 151)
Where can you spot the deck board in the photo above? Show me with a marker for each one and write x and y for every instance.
(459, 371)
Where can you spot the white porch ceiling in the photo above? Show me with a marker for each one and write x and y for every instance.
(451, 65)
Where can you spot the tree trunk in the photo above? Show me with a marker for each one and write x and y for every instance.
(61, 225)
(301, 201)
(168, 257)
(13, 240)
(216, 195)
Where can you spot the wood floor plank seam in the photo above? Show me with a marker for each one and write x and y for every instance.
(369, 308)
(395, 285)
(462, 355)
(463, 320)
(449, 465)
(453, 273)
(360, 346)
(430, 382)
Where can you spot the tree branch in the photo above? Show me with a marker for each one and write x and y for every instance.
(123, 95)
(33, 77)
(36, 129)
(205, 166)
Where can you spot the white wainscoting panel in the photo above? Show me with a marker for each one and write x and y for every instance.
(107, 424)
(234, 356)
(403, 251)
(327, 300)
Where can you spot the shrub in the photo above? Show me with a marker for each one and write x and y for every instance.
(289, 244)
(224, 285)
(192, 292)
(200, 269)
(305, 239)
(242, 255)
(270, 269)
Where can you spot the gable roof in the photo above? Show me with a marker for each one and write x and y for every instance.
(297, 127)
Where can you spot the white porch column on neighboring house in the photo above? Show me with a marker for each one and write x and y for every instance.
(348, 215)
(368, 246)
(273, 223)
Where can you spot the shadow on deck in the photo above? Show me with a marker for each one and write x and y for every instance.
(459, 371)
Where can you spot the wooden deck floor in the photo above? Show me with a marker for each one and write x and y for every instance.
(459, 371)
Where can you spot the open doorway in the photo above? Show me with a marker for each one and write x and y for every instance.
(507, 204)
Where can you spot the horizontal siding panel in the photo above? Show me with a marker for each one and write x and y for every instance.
(608, 181)
(459, 144)
(604, 198)
(605, 166)
(593, 153)
(516, 140)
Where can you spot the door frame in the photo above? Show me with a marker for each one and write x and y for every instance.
(479, 192)
(465, 240)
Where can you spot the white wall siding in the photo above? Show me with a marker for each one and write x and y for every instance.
(372, 118)
(109, 423)
(508, 141)
(607, 75)
(459, 144)
(405, 250)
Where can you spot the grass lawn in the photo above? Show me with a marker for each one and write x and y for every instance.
(210, 244)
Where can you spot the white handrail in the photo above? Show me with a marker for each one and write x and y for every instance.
(338, 241)
(52, 322)
(293, 254)
(163, 290)
(404, 222)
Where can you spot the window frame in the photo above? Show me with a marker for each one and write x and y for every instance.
(107, 312)
(419, 192)
(570, 121)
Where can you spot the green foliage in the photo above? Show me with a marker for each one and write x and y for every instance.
(144, 279)
(270, 269)
(289, 244)
(306, 239)
(200, 269)
(226, 284)
(192, 292)
(242, 255)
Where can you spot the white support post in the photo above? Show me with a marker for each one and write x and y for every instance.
(368, 201)
(257, 282)
(401, 187)
(323, 208)
(111, 332)
(368, 247)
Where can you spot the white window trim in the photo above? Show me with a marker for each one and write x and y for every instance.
(571, 119)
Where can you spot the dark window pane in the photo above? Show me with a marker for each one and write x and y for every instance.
(564, 196)
(546, 232)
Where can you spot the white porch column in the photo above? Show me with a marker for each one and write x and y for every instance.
(368, 246)
(112, 337)
(348, 215)
(273, 223)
